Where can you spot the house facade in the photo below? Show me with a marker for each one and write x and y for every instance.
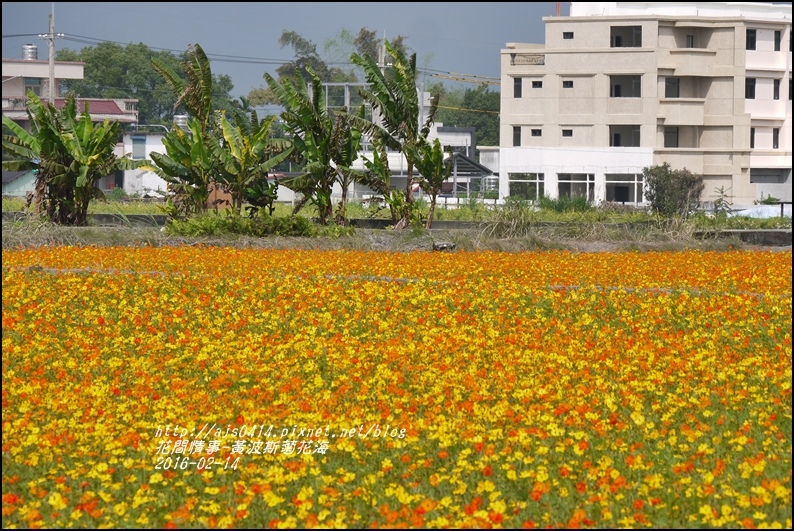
(621, 86)
(32, 74)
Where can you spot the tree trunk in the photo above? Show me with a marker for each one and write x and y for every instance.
(432, 211)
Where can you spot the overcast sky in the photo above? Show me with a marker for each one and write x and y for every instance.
(241, 38)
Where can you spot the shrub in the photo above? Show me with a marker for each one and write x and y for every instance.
(233, 223)
(566, 204)
(116, 194)
(671, 192)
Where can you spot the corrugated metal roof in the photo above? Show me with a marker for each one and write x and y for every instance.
(11, 176)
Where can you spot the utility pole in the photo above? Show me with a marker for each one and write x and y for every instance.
(51, 38)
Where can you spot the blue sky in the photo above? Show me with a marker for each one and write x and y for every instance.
(241, 38)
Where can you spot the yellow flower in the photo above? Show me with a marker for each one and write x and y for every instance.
(56, 501)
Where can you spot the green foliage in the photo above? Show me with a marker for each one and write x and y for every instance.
(261, 195)
(327, 143)
(334, 231)
(672, 193)
(702, 221)
(194, 90)
(433, 170)
(246, 154)
(116, 71)
(116, 194)
(188, 165)
(211, 224)
(515, 218)
(768, 200)
(395, 100)
(722, 204)
(566, 204)
(477, 108)
(69, 153)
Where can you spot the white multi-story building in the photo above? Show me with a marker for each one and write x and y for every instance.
(620, 86)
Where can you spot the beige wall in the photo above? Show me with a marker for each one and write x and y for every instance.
(705, 53)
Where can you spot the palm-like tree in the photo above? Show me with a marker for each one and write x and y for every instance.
(327, 143)
(196, 92)
(395, 101)
(70, 154)
(188, 166)
(434, 171)
(244, 154)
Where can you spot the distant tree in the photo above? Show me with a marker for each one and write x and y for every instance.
(333, 67)
(671, 192)
(115, 71)
(305, 56)
(477, 108)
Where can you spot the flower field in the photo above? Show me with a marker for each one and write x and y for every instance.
(218, 387)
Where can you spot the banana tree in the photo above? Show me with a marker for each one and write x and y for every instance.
(189, 166)
(395, 103)
(346, 142)
(195, 93)
(244, 154)
(310, 126)
(70, 154)
(434, 171)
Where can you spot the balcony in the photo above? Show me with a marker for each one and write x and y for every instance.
(682, 111)
(692, 62)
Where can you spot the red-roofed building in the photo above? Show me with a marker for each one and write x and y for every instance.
(30, 73)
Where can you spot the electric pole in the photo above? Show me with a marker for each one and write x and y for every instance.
(51, 38)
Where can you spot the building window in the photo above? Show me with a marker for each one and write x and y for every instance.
(576, 185)
(139, 147)
(624, 135)
(778, 36)
(623, 86)
(690, 41)
(537, 84)
(526, 186)
(536, 132)
(750, 39)
(567, 132)
(776, 138)
(672, 87)
(752, 138)
(517, 87)
(516, 136)
(567, 35)
(624, 188)
(749, 88)
(567, 84)
(34, 84)
(776, 90)
(671, 137)
(625, 36)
